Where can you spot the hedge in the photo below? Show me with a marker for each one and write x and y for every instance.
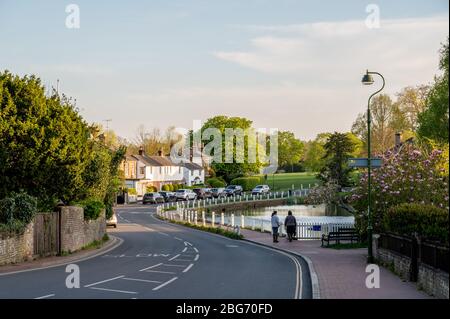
(214, 182)
(247, 183)
(19, 206)
(92, 208)
(429, 222)
(151, 189)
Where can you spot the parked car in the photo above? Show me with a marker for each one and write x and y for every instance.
(168, 196)
(112, 221)
(203, 193)
(152, 198)
(260, 189)
(185, 194)
(233, 190)
(218, 192)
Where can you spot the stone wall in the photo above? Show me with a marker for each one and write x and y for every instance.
(76, 232)
(17, 248)
(432, 281)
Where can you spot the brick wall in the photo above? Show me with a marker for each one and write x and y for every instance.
(17, 248)
(76, 232)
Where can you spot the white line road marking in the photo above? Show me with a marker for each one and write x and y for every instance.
(143, 280)
(166, 283)
(154, 266)
(231, 246)
(187, 243)
(196, 250)
(115, 290)
(196, 257)
(170, 265)
(185, 248)
(161, 272)
(163, 234)
(188, 267)
(46, 296)
(106, 280)
(178, 238)
(183, 260)
(174, 257)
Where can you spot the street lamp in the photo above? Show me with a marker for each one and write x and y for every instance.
(368, 80)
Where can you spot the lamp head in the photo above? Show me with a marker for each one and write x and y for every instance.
(367, 79)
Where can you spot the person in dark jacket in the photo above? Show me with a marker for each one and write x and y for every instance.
(290, 223)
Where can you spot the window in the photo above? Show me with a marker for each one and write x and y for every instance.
(142, 170)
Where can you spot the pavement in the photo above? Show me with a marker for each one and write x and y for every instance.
(160, 260)
(340, 273)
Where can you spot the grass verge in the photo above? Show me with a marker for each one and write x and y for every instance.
(214, 230)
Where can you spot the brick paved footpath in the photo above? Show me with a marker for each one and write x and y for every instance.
(341, 272)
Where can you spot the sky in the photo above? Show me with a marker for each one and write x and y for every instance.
(288, 64)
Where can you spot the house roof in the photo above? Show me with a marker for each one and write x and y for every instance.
(191, 166)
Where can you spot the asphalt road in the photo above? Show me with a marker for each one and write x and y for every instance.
(161, 260)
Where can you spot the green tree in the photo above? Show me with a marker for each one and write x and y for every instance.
(338, 149)
(43, 141)
(315, 152)
(433, 121)
(235, 169)
(290, 149)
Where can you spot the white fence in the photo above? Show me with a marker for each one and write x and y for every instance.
(305, 230)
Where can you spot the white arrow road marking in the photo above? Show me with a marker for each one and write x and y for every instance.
(161, 272)
(196, 257)
(166, 283)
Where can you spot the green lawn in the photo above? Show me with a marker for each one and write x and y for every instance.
(284, 181)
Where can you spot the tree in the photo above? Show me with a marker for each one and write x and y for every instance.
(290, 149)
(338, 149)
(433, 121)
(236, 168)
(315, 152)
(43, 141)
(382, 132)
(411, 101)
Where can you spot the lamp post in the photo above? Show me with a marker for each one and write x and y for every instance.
(368, 80)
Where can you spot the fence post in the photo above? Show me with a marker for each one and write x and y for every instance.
(195, 217)
(242, 221)
(213, 219)
(222, 219)
(203, 219)
(232, 220)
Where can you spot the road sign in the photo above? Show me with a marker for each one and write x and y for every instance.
(363, 162)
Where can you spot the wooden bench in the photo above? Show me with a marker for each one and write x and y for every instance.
(342, 234)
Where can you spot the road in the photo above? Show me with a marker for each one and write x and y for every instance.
(161, 260)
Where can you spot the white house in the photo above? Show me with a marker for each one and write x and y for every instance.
(142, 171)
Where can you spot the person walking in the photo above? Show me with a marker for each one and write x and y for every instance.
(275, 220)
(291, 223)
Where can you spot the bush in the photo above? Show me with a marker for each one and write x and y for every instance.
(13, 227)
(429, 222)
(132, 191)
(165, 187)
(92, 208)
(151, 189)
(19, 206)
(247, 183)
(216, 182)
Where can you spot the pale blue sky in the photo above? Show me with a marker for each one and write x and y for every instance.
(290, 64)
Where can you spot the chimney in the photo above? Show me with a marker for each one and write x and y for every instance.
(398, 139)
(141, 150)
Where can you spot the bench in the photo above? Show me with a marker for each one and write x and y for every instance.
(342, 234)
